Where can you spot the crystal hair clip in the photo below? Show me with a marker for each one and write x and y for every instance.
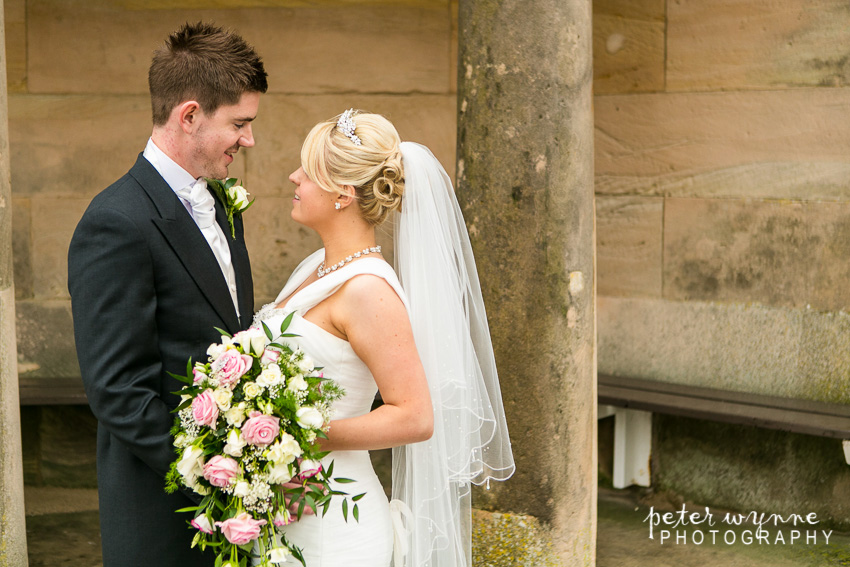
(346, 126)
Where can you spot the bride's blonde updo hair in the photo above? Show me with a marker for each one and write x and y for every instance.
(331, 159)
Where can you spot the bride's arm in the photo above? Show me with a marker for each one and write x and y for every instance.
(375, 322)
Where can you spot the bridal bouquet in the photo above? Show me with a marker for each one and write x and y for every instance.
(247, 426)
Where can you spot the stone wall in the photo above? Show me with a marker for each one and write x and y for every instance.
(722, 177)
(723, 210)
(79, 113)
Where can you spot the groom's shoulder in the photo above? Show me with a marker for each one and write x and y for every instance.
(126, 194)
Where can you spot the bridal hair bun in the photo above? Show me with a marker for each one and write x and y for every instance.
(360, 150)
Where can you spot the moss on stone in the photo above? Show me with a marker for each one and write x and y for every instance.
(502, 540)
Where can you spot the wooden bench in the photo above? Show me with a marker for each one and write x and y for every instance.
(632, 401)
(51, 391)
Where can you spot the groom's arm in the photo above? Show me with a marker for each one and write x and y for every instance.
(113, 299)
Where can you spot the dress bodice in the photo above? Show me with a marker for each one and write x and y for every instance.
(339, 361)
(329, 540)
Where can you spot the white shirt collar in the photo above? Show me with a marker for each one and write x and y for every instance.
(174, 175)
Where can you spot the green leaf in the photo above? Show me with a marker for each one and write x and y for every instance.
(330, 471)
(189, 509)
(327, 505)
(223, 332)
(285, 325)
(248, 206)
(230, 182)
(344, 480)
(356, 513)
(181, 378)
(358, 497)
(345, 510)
(296, 552)
(184, 405)
(268, 331)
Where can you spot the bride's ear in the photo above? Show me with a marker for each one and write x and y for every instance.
(347, 196)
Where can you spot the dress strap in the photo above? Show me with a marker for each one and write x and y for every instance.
(321, 289)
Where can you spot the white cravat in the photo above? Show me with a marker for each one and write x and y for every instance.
(201, 206)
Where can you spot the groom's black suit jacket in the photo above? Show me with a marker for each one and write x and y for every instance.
(146, 294)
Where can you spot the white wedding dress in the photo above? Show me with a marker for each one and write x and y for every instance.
(330, 541)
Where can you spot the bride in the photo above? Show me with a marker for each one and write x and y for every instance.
(417, 334)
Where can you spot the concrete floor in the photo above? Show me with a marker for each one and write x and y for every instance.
(62, 531)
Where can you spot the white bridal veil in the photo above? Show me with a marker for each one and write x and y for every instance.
(434, 261)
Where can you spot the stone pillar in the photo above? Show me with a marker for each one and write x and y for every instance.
(525, 183)
(13, 538)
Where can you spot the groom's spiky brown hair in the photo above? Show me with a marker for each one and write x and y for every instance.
(205, 63)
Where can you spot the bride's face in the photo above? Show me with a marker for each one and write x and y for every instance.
(311, 205)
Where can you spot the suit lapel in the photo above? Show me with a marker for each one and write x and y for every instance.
(190, 246)
(239, 260)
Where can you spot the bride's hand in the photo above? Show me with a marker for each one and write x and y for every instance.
(293, 500)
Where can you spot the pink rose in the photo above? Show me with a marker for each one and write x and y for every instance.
(231, 366)
(242, 529)
(202, 523)
(220, 470)
(204, 408)
(260, 429)
(269, 356)
(199, 375)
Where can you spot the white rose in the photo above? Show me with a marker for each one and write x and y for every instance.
(235, 415)
(239, 196)
(222, 398)
(214, 351)
(285, 450)
(181, 441)
(278, 555)
(279, 473)
(309, 417)
(192, 482)
(242, 489)
(235, 443)
(252, 340)
(297, 383)
(306, 364)
(252, 390)
(191, 464)
(270, 376)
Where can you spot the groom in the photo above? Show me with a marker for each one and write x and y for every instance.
(152, 269)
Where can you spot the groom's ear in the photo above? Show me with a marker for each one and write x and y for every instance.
(187, 115)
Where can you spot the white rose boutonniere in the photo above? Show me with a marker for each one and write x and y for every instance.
(233, 196)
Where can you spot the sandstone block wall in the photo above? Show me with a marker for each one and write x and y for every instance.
(723, 211)
(79, 114)
(723, 193)
(722, 168)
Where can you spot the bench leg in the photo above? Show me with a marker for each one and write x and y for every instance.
(846, 444)
(632, 447)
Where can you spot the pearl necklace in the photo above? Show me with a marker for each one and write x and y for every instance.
(323, 272)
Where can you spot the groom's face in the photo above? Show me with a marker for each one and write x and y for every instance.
(219, 136)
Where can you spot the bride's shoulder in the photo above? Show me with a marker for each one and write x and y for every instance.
(372, 290)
